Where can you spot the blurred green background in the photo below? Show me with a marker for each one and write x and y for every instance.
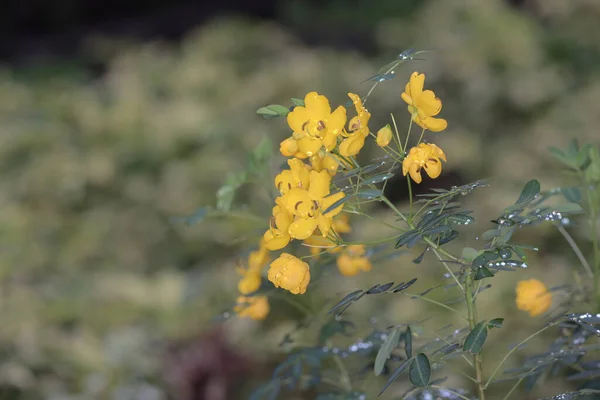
(104, 139)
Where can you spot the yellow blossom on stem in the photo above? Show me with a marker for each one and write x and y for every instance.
(290, 273)
(424, 156)
(352, 261)
(533, 297)
(254, 307)
(259, 258)
(358, 129)
(423, 105)
(341, 224)
(314, 125)
(308, 206)
(384, 136)
(250, 281)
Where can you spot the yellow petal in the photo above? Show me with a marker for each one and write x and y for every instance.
(406, 97)
(414, 172)
(317, 106)
(346, 266)
(336, 121)
(330, 164)
(427, 103)
(319, 184)
(352, 145)
(309, 145)
(437, 151)
(434, 124)
(302, 228)
(384, 136)
(288, 147)
(297, 118)
(275, 240)
(299, 173)
(433, 167)
(328, 202)
(416, 84)
(324, 223)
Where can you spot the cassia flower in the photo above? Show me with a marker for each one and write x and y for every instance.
(250, 281)
(314, 125)
(423, 105)
(309, 206)
(384, 136)
(254, 307)
(424, 156)
(358, 129)
(290, 273)
(533, 297)
(353, 260)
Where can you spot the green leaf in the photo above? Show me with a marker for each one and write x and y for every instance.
(420, 371)
(406, 237)
(572, 194)
(489, 235)
(225, 196)
(297, 102)
(476, 338)
(583, 157)
(529, 192)
(482, 273)
(346, 300)
(563, 158)
(469, 253)
(263, 151)
(408, 342)
(377, 179)
(495, 323)
(273, 111)
(401, 368)
(336, 204)
(391, 341)
(369, 193)
(569, 208)
(485, 258)
(573, 148)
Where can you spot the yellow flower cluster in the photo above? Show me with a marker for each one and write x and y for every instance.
(255, 307)
(423, 107)
(533, 297)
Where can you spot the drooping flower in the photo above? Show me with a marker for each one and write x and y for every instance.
(423, 105)
(254, 307)
(353, 260)
(533, 297)
(290, 273)
(314, 125)
(424, 156)
(384, 136)
(358, 129)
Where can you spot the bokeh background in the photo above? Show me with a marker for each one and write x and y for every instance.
(117, 117)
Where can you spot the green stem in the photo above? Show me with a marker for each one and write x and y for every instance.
(575, 249)
(421, 137)
(472, 311)
(410, 196)
(594, 237)
(515, 349)
(513, 389)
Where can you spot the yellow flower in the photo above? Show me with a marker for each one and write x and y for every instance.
(340, 224)
(324, 161)
(427, 156)
(297, 176)
(290, 273)
(255, 307)
(358, 129)
(259, 258)
(289, 148)
(533, 297)
(423, 105)
(308, 206)
(384, 136)
(277, 237)
(250, 281)
(353, 260)
(314, 125)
